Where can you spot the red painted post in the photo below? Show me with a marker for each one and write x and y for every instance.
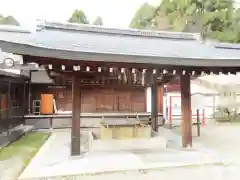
(203, 117)
(170, 113)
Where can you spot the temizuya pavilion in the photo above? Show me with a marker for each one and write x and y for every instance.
(71, 50)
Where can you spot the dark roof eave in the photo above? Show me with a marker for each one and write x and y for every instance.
(23, 49)
(13, 75)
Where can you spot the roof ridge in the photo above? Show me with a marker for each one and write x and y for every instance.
(224, 45)
(120, 31)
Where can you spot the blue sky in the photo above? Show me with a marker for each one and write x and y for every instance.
(115, 13)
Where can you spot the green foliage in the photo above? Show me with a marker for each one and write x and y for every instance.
(26, 147)
(213, 18)
(78, 16)
(142, 18)
(8, 20)
(98, 21)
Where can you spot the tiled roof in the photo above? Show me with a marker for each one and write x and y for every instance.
(227, 46)
(88, 42)
(14, 33)
(11, 28)
(117, 31)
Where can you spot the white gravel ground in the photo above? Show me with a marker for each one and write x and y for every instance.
(224, 138)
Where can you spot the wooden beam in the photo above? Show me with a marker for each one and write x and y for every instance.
(169, 69)
(76, 106)
(186, 123)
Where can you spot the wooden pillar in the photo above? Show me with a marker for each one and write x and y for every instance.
(29, 92)
(76, 106)
(160, 99)
(198, 123)
(186, 123)
(154, 109)
(9, 104)
(24, 99)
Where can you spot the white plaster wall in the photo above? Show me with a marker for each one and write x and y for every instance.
(226, 87)
(207, 96)
(149, 99)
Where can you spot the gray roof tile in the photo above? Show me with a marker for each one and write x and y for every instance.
(12, 28)
(92, 42)
(118, 31)
(115, 44)
(77, 39)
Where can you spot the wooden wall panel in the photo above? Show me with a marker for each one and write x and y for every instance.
(3, 101)
(123, 101)
(138, 100)
(104, 100)
(88, 101)
(63, 100)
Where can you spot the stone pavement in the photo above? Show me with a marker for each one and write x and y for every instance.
(54, 162)
(207, 172)
(11, 168)
(223, 139)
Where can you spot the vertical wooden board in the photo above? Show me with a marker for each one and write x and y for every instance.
(3, 101)
(105, 101)
(89, 101)
(123, 101)
(138, 98)
(3, 106)
(63, 99)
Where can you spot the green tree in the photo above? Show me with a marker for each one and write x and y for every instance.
(8, 20)
(98, 21)
(160, 19)
(213, 18)
(78, 16)
(143, 16)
